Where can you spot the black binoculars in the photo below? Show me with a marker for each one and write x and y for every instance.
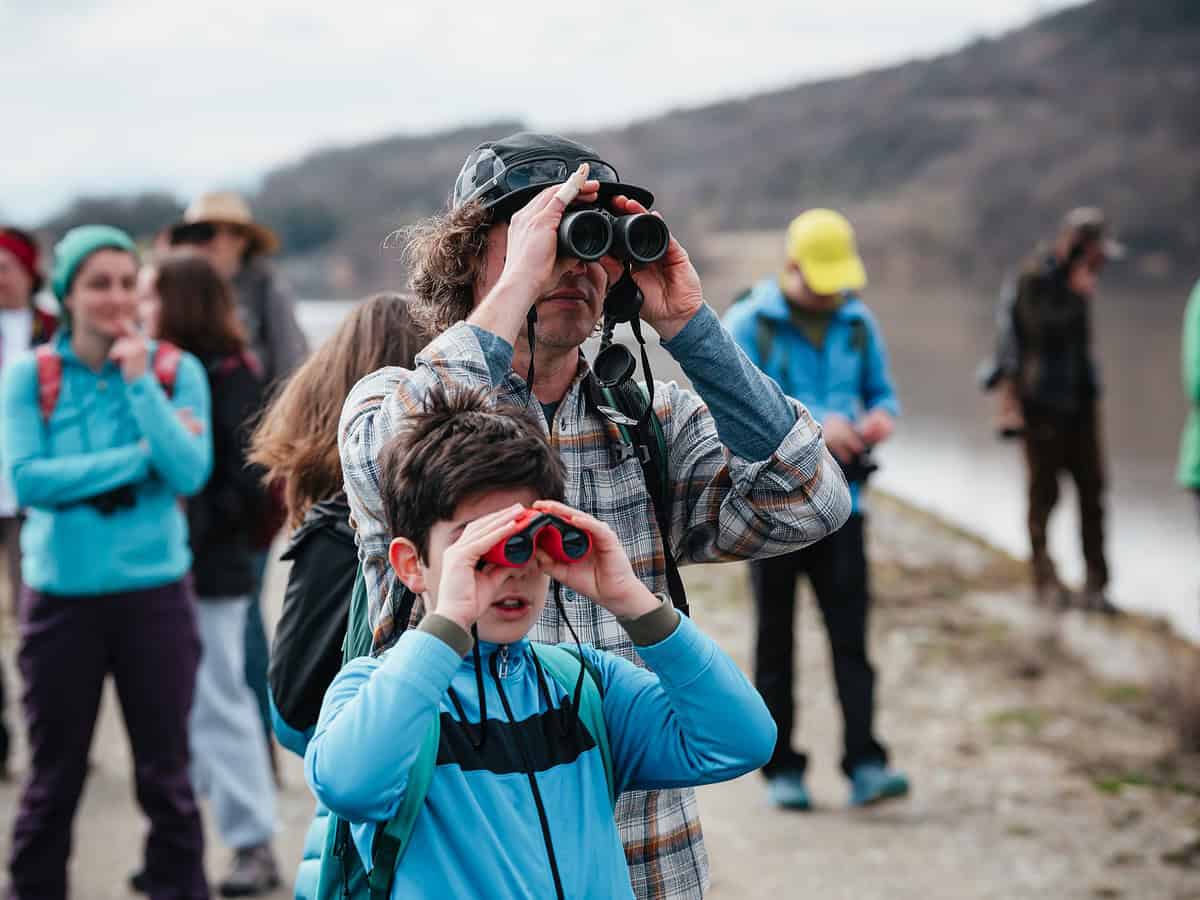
(589, 234)
(123, 497)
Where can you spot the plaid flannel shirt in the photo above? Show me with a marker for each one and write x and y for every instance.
(723, 508)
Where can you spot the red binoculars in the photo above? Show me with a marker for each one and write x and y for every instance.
(563, 541)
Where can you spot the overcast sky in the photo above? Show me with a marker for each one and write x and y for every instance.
(118, 96)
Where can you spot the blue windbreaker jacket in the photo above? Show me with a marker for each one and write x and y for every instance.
(841, 376)
(693, 719)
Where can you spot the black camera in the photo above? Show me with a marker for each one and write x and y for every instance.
(589, 234)
(123, 497)
(859, 469)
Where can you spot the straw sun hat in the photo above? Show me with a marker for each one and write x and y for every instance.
(229, 208)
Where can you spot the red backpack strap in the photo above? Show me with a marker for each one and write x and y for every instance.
(49, 378)
(166, 365)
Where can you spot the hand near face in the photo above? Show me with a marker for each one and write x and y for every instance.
(465, 592)
(606, 575)
(671, 287)
(532, 247)
(130, 351)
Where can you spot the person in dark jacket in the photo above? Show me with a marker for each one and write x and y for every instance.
(295, 444)
(230, 764)
(220, 226)
(1045, 356)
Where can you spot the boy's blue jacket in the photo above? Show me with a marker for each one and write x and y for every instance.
(847, 375)
(694, 719)
(103, 434)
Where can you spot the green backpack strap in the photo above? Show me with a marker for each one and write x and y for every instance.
(358, 631)
(563, 665)
(391, 841)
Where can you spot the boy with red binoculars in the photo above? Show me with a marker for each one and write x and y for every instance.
(467, 756)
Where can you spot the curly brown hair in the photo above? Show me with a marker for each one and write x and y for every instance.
(296, 439)
(445, 256)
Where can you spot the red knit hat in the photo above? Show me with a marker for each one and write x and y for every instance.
(22, 245)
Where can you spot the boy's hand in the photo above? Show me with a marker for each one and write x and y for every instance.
(606, 575)
(463, 589)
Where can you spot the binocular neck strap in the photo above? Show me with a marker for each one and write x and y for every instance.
(530, 328)
(636, 327)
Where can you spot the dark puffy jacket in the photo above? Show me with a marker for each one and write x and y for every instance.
(221, 516)
(1052, 330)
(307, 651)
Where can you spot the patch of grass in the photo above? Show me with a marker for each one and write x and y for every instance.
(1115, 782)
(1031, 718)
(1123, 694)
(1020, 829)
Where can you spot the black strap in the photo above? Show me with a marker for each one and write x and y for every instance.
(650, 450)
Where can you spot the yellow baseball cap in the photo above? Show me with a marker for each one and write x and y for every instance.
(821, 243)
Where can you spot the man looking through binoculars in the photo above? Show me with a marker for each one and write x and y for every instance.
(746, 470)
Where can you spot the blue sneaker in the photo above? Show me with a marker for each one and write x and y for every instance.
(872, 782)
(787, 791)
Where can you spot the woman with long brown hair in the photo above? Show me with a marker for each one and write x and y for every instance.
(195, 311)
(296, 442)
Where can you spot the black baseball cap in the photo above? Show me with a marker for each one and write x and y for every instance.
(506, 174)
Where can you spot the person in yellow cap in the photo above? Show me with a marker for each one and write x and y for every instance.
(808, 329)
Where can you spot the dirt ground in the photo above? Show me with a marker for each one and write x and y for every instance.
(1033, 776)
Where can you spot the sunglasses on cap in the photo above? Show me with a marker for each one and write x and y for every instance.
(194, 234)
(492, 179)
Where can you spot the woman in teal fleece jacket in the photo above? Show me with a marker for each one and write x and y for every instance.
(99, 453)
(519, 804)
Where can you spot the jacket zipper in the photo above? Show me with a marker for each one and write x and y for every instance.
(533, 785)
(504, 660)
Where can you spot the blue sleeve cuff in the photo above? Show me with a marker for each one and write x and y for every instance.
(701, 328)
(681, 657)
(497, 351)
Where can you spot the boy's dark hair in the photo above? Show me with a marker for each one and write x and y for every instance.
(461, 445)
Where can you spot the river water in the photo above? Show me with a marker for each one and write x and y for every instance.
(944, 457)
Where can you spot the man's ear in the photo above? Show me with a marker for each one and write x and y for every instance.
(405, 560)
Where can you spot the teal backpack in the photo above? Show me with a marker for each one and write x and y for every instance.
(342, 875)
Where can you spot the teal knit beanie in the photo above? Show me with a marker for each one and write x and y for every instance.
(77, 245)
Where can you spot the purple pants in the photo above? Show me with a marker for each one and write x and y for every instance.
(147, 640)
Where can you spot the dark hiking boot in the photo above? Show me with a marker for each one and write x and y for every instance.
(1096, 600)
(254, 872)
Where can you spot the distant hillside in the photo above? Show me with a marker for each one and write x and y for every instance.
(954, 164)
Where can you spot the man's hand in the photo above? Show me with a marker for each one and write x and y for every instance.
(671, 287)
(841, 438)
(606, 575)
(465, 592)
(531, 264)
(130, 351)
(876, 427)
